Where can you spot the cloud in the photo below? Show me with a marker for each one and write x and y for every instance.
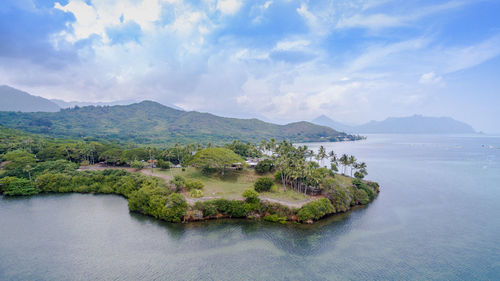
(228, 6)
(430, 78)
(382, 20)
(279, 60)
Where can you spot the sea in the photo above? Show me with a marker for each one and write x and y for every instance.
(437, 217)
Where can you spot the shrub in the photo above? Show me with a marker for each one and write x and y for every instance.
(361, 196)
(251, 196)
(208, 208)
(264, 166)
(194, 184)
(232, 208)
(315, 210)
(175, 208)
(275, 218)
(13, 186)
(164, 164)
(179, 182)
(136, 164)
(277, 176)
(196, 193)
(339, 198)
(263, 184)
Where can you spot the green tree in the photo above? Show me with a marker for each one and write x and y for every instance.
(215, 158)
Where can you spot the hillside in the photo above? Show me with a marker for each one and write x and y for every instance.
(151, 122)
(416, 124)
(16, 100)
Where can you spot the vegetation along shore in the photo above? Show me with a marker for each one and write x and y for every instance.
(272, 181)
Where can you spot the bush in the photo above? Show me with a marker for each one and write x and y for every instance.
(315, 210)
(263, 184)
(163, 164)
(340, 198)
(175, 208)
(12, 186)
(275, 218)
(179, 182)
(361, 196)
(231, 208)
(194, 184)
(196, 193)
(136, 164)
(208, 208)
(251, 196)
(264, 166)
(277, 176)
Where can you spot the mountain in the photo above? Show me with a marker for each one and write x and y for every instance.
(15, 100)
(324, 120)
(417, 124)
(69, 104)
(151, 122)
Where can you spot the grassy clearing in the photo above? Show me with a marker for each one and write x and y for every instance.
(233, 183)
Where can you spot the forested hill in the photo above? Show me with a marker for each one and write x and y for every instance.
(151, 122)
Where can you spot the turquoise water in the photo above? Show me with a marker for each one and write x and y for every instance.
(437, 217)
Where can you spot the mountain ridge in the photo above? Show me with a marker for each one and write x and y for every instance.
(17, 100)
(414, 124)
(152, 122)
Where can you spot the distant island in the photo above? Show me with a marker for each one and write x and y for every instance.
(273, 181)
(416, 124)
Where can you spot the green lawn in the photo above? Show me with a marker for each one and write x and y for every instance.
(233, 183)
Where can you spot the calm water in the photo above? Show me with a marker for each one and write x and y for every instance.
(437, 217)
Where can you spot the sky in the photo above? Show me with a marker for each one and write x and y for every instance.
(277, 60)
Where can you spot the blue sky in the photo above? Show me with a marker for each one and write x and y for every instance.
(278, 60)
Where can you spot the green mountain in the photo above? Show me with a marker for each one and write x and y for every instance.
(16, 100)
(151, 122)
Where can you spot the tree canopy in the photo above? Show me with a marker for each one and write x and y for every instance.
(215, 158)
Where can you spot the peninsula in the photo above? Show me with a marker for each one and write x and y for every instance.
(273, 181)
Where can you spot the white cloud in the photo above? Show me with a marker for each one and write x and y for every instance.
(430, 78)
(381, 20)
(228, 6)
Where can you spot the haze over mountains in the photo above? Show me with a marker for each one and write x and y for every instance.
(416, 124)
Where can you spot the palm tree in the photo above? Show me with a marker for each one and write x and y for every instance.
(344, 160)
(334, 162)
(351, 162)
(321, 154)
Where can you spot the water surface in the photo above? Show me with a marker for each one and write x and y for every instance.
(437, 217)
